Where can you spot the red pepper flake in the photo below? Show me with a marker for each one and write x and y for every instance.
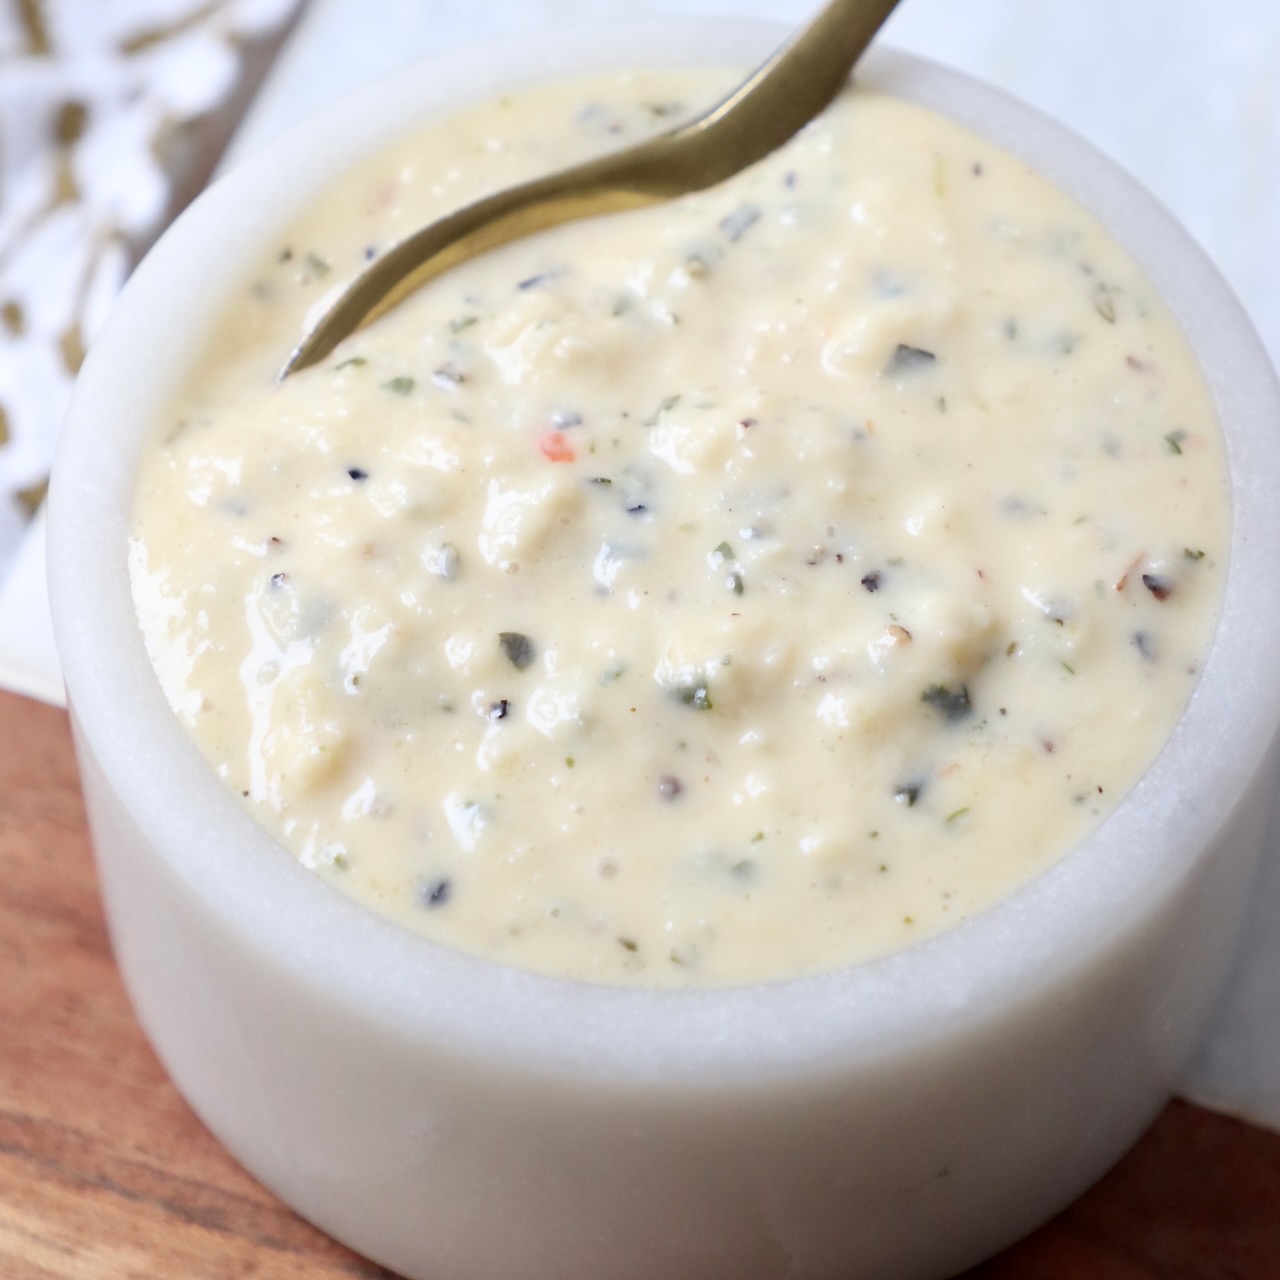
(1123, 580)
(555, 446)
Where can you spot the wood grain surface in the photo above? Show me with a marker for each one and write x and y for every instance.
(105, 1172)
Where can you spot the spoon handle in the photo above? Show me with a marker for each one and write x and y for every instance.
(783, 94)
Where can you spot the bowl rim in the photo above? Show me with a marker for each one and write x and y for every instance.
(1009, 957)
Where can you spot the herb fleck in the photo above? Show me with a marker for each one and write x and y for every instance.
(436, 892)
(1174, 440)
(908, 359)
(351, 362)
(1159, 586)
(448, 377)
(872, 581)
(697, 696)
(953, 703)
(518, 647)
(1104, 302)
(908, 793)
(665, 406)
(543, 277)
(400, 386)
(1145, 644)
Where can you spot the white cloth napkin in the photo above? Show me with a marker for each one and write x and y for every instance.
(1184, 96)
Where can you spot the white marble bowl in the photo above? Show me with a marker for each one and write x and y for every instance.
(450, 1118)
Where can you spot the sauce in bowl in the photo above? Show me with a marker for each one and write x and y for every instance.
(735, 589)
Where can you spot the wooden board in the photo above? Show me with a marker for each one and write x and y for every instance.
(106, 1174)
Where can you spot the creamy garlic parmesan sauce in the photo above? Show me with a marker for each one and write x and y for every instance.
(743, 587)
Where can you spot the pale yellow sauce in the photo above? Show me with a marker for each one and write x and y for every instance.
(743, 587)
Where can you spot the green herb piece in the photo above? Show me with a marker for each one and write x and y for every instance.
(957, 814)
(316, 265)
(1174, 440)
(735, 584)
(665, 406)
(518, 647)
(1193, 555)
(459, 323)
(568, 762)
(352, 362)
(953, 703)
(759, 835)
(401, 386)
(629, 944)
(1104, 302)
(908, 793)
(725, 551)
(613, 674)
(697, 696)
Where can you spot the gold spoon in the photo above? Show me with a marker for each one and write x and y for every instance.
(760, 115)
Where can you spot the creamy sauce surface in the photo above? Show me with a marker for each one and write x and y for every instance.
(738, 588)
